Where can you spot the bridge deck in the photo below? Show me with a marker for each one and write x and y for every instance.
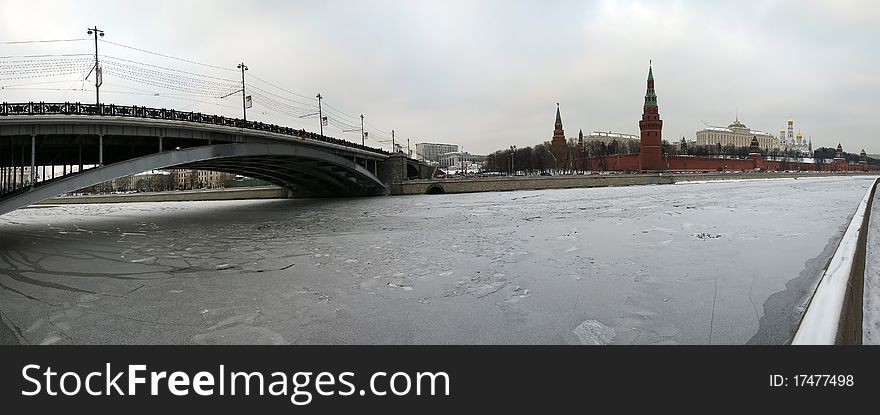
(41, 141)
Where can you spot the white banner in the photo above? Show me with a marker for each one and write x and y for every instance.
(99, 78)
(248, 102)
(324, 121)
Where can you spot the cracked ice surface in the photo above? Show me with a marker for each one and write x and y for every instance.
(693, 263)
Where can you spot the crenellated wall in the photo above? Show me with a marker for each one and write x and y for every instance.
(631, 163)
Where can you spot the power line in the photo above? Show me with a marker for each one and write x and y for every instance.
(81, 79)
(36, 83)
(43, 75)
(168, 69)
(341, 112)
(45, 55)
(377, 129)
(276, 86)
(20, 42)
(282, 97)
(169, 56)
(170, 78)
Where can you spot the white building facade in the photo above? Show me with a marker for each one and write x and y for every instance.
(432, 151)
(736, 134)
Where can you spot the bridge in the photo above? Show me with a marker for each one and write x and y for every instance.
(92, 144)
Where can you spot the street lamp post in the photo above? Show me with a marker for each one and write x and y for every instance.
(98, 77)
(555, 162)
(243, 68)
(512, 152)
(320, 114)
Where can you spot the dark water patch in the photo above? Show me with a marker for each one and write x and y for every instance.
(784, 309)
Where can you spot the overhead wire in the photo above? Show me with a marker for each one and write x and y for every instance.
(167, 56)
(129, 61)
(46, 55)
(170, 81)
(282, 89)
(20, 42)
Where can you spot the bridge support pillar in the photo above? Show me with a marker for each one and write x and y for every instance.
(33, 159)
(160, 144)
(100, 149)
(21, 173)
(393, 171)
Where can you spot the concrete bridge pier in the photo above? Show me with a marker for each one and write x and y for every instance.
(393, 170)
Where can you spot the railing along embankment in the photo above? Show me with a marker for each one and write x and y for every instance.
(834, 312)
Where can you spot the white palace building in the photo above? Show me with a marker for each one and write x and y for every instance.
(736, 134)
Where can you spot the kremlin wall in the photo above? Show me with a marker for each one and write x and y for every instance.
(651, 158)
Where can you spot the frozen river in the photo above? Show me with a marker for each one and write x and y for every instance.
(692, 263)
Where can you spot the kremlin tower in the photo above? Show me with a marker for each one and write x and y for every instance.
(650, 146)
(558, 132)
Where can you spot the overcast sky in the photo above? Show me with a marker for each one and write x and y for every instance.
(488, 74)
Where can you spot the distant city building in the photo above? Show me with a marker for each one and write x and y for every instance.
(432, 151)
(609, 136)
(184, 179)
(736, 134)
(455, 159)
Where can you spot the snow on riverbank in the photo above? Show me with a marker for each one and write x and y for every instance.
(871, 318)
(822, 317)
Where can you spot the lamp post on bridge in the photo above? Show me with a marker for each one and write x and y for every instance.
(98, 76)
(244, 100)
(320, 113)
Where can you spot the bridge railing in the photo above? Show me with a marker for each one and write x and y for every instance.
(134, 111)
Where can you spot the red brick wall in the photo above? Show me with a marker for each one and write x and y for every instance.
(631, 163)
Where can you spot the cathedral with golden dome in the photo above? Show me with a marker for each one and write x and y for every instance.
(790, 141)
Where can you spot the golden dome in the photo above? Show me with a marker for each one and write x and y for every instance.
(799, 135)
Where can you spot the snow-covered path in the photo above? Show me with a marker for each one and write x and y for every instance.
(871, 317)
(691, 263)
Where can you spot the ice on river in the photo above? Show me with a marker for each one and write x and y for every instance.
(720, 263)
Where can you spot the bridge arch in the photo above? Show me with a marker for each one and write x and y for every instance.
(435, 189)
(284, 164)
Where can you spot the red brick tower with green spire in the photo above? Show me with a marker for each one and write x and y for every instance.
(558, 132)
(651, 126)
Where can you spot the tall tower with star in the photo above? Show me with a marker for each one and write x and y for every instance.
(558, 132)
(651, 126)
